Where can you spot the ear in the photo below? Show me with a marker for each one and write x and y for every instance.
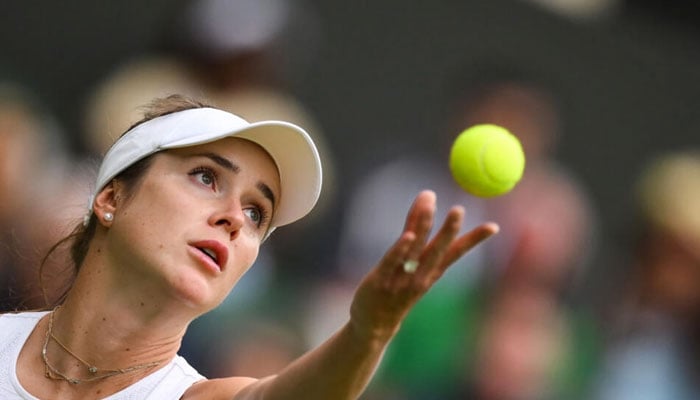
(106, 203)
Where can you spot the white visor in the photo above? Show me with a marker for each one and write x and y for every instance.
(289, 146)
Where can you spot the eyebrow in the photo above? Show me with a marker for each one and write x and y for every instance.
(267, 192)
(222, 161)
(227, 164)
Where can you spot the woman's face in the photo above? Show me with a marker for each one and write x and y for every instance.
(196, 220)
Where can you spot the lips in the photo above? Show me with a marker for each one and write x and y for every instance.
(213, 251)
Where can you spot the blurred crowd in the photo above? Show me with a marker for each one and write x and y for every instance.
(513, 320)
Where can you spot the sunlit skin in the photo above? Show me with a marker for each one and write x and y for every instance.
(143, 269)
(213, 196)
(146, 279)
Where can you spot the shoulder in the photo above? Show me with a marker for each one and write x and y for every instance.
(223, 388)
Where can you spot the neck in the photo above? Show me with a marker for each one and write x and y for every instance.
(107, 344)
(90, 363)
(111, 320)
(93, 372)
(108, 340)
(113, 324)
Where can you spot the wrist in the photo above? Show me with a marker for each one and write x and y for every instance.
(368, 335)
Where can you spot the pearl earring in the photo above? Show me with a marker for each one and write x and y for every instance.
(109, 216)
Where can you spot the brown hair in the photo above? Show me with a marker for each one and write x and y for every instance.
(81, 236)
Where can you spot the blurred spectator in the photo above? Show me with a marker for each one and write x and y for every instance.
(652, 353)
(521, 343)
(502, 319)
(547, 220)
(268, 341)
(531, 339)
(33, 161)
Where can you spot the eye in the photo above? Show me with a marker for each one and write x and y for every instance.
(257, 214)
(205, 176)
(254, 215)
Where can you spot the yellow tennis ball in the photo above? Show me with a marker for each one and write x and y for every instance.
(487, 160)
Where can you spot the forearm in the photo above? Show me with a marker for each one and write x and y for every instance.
(339, 369)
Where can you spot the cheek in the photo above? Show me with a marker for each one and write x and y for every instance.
(242, 258)
(144, 227)
(152, 226)
(248, 253)
(138, 236)
(158, 206)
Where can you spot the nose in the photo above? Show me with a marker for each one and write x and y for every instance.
(229, 216)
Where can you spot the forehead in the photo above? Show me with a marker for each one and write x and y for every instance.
(229, 145)
(247, 156)
(233, 144)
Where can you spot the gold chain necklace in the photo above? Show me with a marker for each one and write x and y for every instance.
(51, 372)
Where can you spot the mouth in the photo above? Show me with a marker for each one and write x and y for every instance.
(213, 251)
(210, 253)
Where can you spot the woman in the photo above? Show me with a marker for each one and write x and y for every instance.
(183, 201)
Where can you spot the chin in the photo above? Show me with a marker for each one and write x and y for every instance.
(197, 293)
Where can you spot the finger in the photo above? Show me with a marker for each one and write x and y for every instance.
(395, 257)
(420, 222)
(467, 241)
(436, 250)
(424, 201)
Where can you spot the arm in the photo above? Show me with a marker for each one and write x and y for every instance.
(342, 367)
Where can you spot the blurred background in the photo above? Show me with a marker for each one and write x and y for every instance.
(592, 290)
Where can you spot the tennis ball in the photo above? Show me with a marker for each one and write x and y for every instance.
(487, 160)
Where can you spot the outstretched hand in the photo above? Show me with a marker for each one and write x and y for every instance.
(387, 293)
(341, 367)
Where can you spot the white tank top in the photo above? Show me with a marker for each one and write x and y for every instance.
(169, 382)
